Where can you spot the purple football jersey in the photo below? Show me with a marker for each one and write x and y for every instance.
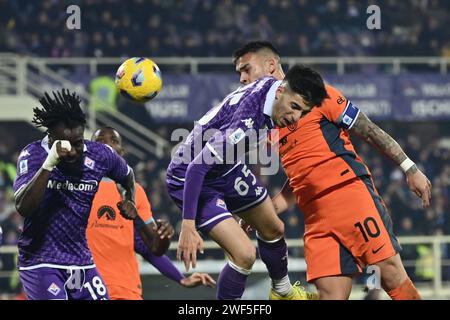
(55, 234)
(246, 109)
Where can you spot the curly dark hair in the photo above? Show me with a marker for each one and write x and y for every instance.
(64, 108)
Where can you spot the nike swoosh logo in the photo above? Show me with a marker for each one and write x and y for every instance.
(375, 251)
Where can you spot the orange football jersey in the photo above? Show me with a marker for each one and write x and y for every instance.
(316, 152)
(111, 237)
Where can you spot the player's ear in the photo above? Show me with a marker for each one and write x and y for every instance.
(271, 65)
(280, 89)
(279, 92)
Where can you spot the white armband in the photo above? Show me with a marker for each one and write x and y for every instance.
(406, 164)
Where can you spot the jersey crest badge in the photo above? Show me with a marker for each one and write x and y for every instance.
(88, 162)
(54, 289)
(221, 204)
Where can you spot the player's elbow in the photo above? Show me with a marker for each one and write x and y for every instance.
(129, 180)
(21, 208)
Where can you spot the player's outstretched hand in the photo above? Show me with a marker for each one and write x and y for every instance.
(164, 229)
(188, 244)
(196, 279)
(420, 185)
(127, 209)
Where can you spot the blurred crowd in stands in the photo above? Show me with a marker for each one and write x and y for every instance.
(211, 28)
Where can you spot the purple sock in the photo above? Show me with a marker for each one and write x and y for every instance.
(274, 256)
(231, 284)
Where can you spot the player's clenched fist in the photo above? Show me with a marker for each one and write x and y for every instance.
(64, 149)
(164, 229)
(60, 150)
(127, 209)
(188, 244)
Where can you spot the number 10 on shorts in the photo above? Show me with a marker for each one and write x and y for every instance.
(369, 228)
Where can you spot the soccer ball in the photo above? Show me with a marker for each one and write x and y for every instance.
(139, 79)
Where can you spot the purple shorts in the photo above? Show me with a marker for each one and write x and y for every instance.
(45, 283)
(236, 191)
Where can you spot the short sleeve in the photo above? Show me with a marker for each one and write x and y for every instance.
(29, 162)
(143, 204)
(338, 109)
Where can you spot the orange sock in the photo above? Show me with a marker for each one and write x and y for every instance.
(406, 291)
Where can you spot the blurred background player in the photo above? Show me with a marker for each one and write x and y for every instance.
(113, 240)
(260, 58)
(207, 191)
(55, 185)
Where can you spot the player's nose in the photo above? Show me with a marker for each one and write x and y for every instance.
(296, 116)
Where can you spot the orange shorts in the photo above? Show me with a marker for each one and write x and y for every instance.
(121, 293)
(347, 228)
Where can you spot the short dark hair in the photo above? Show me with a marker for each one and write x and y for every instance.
(64, 108)
(308, 83)
(105, 128)
(254, 46)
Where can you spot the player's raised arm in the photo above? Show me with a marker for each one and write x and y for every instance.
(30, 195)
(383, 142)
(64, 144)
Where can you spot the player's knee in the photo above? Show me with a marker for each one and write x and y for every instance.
(273, 232)
(245, 258)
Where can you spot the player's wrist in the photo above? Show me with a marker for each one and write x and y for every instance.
(188, 223)
(406, 165)
(50, 162)
(138, 222)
